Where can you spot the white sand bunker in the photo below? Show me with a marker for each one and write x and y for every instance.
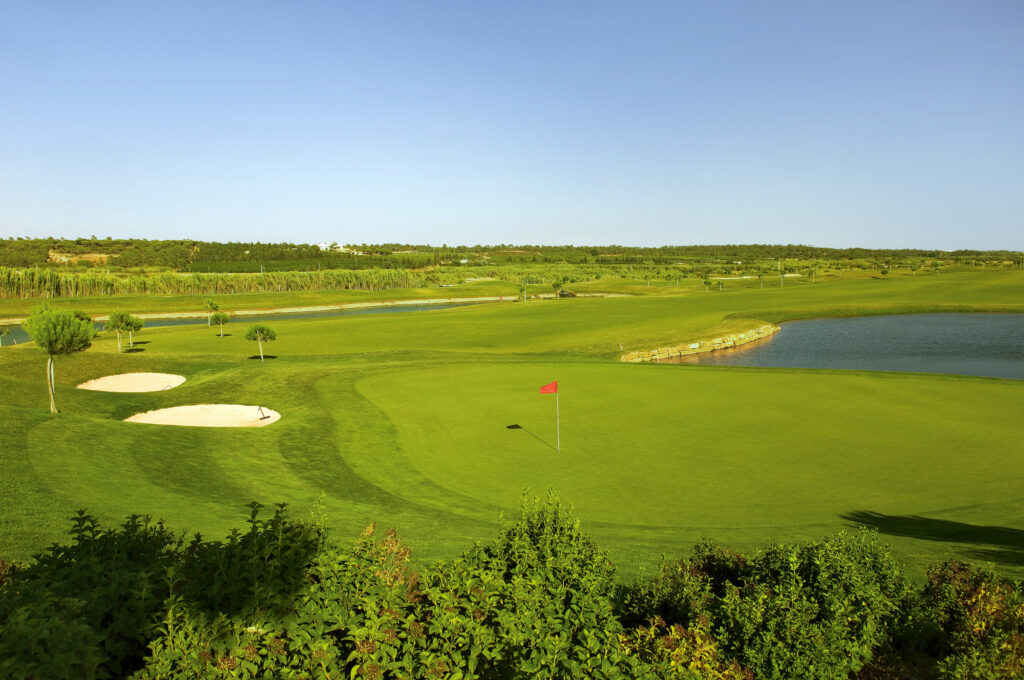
(134, 382)
(209, 415)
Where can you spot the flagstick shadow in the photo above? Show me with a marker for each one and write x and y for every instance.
(516, 426)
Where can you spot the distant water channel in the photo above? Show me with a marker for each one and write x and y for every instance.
(964, 344)
(19, 335)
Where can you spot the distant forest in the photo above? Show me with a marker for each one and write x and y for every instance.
(214, 257)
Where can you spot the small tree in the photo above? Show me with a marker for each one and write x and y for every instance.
(221, 318)
(58, 332)
(211, 307)
(260, 334)
(133, 325)
(118, 322)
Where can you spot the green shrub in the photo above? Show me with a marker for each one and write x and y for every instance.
(557, 617)
(280, 600)
(813, 611)
(98, 598)
(678, 652)
(536, 602)
(977, 623)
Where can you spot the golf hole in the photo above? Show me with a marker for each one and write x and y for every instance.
(134, 382)
(209, 415)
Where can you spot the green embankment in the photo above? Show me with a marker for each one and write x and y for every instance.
(402, 419)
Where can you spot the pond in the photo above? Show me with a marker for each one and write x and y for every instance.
(965, 344)
(18, 334)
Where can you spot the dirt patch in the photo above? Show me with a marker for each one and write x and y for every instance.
(209, 415)
(134, 382)
(73, 258)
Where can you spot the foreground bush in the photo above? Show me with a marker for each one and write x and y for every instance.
(976, 623)
(812, 611)
(282, 600)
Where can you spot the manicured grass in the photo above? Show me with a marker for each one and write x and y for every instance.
(403, 419)
(737, 454)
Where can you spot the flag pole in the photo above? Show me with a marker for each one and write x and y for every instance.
(558, 427)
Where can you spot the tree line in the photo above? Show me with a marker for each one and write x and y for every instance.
(212, 256)
(32, 283)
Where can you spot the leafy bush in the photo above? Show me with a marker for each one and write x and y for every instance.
(280, 600)
(91, 605)
(812, 611)
(534, 603)
(977, 623)
(678, 652)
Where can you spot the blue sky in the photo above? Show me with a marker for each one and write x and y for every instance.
(862, 123)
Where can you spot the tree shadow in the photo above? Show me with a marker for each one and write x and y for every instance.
(223, 335)
(265, 356)
(1002, 544)
(517, 426)
(134, 350)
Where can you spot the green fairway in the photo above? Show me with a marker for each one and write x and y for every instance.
(403, 419)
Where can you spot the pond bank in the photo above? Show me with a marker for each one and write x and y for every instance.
(728, 341)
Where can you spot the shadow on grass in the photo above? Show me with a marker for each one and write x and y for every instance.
(517, 426)
(1004, 545)
(224, 335)
(265, 356)
(142, 342)
(134, 350)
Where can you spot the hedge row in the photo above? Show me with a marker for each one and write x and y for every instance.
(284, 600)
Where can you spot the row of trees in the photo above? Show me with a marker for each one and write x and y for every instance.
(213, 256)
(284, 599)
(29, 283)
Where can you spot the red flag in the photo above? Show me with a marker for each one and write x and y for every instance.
(550, 388)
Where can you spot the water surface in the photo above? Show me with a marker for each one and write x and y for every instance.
(964, 344)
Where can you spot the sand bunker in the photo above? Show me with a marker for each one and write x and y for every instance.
(134, 382)
(209, 415)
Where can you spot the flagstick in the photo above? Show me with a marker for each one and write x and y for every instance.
(558, 427)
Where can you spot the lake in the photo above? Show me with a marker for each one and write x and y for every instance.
(965, 344)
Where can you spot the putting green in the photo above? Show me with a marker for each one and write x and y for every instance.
(675, 446)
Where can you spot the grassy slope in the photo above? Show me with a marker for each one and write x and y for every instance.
(401, 419)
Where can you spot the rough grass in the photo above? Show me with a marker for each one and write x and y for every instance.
(403, 419)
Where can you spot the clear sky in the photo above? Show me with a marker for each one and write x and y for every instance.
(848, 123)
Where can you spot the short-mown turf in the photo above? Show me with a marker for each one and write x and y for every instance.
(403, 419)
